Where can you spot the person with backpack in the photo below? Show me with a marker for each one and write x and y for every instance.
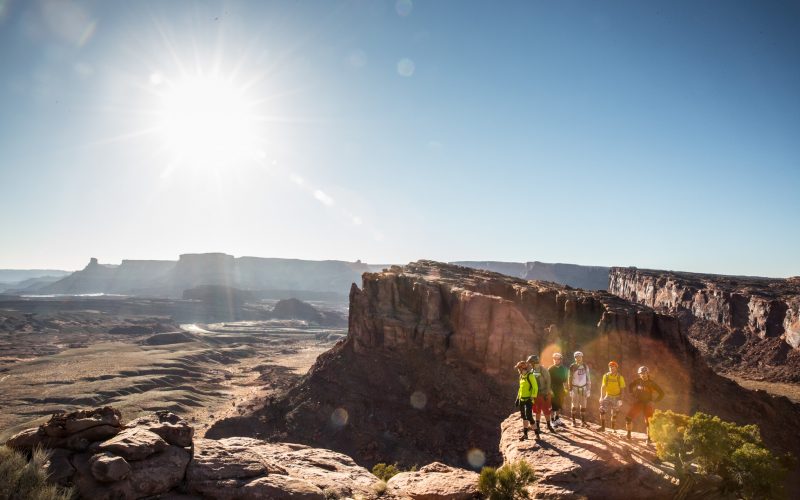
(559, 375)
(643, 390)
(579, 385)
(544, 396)
(528, 389)
(611, 395)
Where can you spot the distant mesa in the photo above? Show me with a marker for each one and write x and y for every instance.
(165, 278)
(297, 309)
(574, 275)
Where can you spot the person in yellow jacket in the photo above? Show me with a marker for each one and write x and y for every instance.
(611, 395)
(528, 389)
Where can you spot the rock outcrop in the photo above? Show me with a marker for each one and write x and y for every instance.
(156, 454)
(583, 463)
(747, 324)
(432, 342)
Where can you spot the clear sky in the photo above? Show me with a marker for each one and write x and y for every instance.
(661, 134)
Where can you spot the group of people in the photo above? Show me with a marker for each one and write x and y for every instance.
(542, 391)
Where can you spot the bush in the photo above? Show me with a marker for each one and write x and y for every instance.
(735, 453)
(384, 471)
(22, 479)
(509, 482)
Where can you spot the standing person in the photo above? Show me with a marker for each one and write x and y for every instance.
(611, 395)
(579, 387)
(544, 397)
(642, 390)
(525, 396)
(559, 375)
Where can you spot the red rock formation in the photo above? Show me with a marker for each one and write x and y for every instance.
(426, 372)
(747, 324)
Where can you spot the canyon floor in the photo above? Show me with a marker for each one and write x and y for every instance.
(202, 372)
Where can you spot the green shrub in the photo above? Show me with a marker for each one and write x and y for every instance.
(509, 482)
(735, 453)
(384, 471)
(22, 479)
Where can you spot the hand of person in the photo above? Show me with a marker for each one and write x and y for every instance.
(516, 402)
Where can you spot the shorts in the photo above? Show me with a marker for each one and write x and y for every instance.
(579, 395)
(638, 407)
(611, 404)
(557, 401)
(542, 405)
(525, 410)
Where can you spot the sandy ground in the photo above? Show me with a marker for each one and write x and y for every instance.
(216, 370)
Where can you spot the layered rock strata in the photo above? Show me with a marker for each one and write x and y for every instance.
(426, 372)
(744, 324)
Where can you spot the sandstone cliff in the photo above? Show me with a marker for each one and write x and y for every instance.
(426, 372)
(747, 324)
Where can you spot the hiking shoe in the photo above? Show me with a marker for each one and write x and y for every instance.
(550, 428)
(537, 434)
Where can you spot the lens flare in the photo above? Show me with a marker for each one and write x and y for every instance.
(339, 417)
(476, 458)
(419, 400)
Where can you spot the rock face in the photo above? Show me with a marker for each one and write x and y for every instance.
(747, 324)
(432, 342)
(586, 277)
(583, 463)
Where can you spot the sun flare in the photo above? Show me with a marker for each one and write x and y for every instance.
(207, 121)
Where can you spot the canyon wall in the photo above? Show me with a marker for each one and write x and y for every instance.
(749, 325)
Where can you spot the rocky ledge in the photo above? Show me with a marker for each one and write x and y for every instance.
(747, 324)
(156, 455)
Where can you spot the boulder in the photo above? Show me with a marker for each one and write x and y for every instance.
(435, 481)
(216, 460)
(170, 427)
(67, 424)
(107, 468)
(155, 475)
(134, 444)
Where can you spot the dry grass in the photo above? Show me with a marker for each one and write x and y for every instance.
(22, 479)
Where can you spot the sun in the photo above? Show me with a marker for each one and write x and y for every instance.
(206, 121)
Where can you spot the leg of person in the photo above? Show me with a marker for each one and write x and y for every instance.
(537, 409)
(603, 414)
(634, 410)
(524, 413)
(648, 412)
(584, 402)
(556, 406)
(548, 410)
(613, 412)
(573, 396)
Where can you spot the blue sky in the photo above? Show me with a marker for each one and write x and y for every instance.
(654, 134)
